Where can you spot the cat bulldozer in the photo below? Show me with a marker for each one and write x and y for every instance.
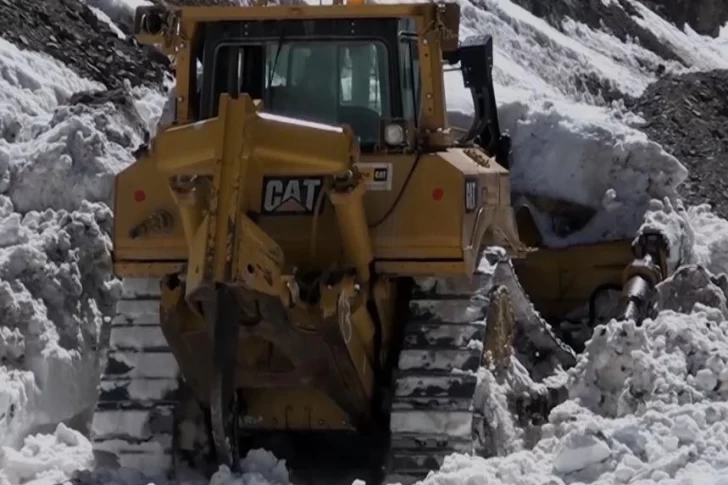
(311, 259)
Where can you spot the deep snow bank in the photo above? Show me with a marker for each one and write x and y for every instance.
(593, 160)
(581, 154)
(56, 168)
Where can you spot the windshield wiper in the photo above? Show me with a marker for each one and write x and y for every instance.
(275, 64)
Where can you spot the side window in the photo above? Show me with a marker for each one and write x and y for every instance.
(285, 66)
(346, 76)
(409, 69)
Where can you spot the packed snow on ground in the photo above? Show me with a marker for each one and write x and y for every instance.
(646, 404)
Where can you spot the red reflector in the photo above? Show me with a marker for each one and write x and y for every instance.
(438, 193)
(139, 195)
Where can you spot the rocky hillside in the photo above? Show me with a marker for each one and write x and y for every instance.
(688, 116)
(704, 16)
(74, 32)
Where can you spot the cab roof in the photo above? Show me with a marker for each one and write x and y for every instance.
(445, 16)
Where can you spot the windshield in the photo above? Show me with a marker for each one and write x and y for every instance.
(330, 82)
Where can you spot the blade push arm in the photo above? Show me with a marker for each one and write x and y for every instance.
(215, 169)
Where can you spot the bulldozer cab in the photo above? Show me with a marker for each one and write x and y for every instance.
(359, 65)
(324, 81)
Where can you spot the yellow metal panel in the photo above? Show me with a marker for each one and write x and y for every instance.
(561, 280)
(289, 12)
(139, 191)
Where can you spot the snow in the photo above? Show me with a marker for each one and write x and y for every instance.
(592, 160)
(56, 172)
(50, 458)
(645, 404)
(116, 11)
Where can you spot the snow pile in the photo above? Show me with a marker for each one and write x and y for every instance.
(711, 244)
(258, 467)
(51, 458)
(56, 171)
(593, 160)
(646, 404)
(53, 295)
(695, 235)
(676, 359)
(588, 157)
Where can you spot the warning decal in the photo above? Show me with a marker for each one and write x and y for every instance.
(378, 175)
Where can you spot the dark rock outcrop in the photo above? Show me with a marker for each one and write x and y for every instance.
(69, 31)
(72, 33)
(704, 16)
(688, 116)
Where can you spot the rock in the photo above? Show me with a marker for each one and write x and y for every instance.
(76, 37)
(70, 31)
(700, 142)
(704, 16)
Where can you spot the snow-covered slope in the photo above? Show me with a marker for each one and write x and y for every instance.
(647, 404)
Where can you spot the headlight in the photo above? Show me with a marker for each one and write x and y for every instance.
(394, 134)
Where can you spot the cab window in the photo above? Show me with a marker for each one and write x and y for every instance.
(327, 82)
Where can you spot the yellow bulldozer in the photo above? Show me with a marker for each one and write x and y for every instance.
(310, 255)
